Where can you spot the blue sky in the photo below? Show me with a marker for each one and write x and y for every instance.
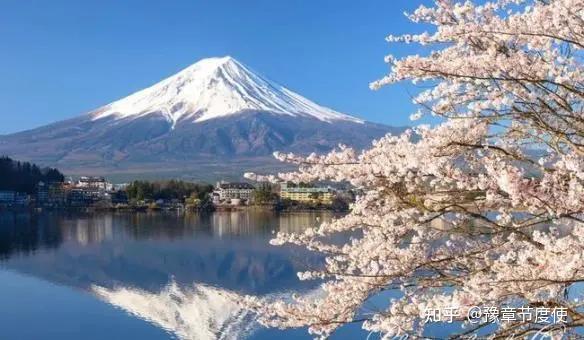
(59, 59)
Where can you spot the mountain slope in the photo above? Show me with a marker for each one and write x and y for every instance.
(214, 113)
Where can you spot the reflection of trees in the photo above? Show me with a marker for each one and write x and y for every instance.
(229, 250)
(23, 233)
(144, 250)
(195, 312)
(29, 231)
(158, 225)
(251, 267)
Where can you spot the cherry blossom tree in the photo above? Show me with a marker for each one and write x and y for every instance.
(485, 208)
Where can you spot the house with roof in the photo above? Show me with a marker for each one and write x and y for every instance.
(228, 191)
(306, 194)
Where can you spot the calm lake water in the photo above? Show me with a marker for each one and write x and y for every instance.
(147, 275)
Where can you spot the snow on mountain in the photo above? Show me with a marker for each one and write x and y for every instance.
(213, 88)
(214, 118)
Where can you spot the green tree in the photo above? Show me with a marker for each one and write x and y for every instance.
(265, 193)
(24, 176)
(172, 189)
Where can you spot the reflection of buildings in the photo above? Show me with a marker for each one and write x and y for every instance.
(297, 222)
(234, 223)
(89, 230)
(199, 312)
(244, 222)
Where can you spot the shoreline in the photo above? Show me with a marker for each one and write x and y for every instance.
(141, 209)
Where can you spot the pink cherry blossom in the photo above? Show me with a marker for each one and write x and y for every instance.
(485, 208)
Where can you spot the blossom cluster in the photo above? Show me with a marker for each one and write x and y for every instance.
(485, 208)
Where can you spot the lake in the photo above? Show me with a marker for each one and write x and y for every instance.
(147, 275)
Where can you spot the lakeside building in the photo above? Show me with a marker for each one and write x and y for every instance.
(82, 197)
(85, 192)
(82, 193)
(42, 193)
(89, 190)
(226, 191)
(9, 198)
(306, 194)
(98, 183)
(21, 199)
(51, 194)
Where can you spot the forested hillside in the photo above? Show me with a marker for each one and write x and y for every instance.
(24, 176)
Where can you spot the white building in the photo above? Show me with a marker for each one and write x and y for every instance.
(225, 191)
(98, 183)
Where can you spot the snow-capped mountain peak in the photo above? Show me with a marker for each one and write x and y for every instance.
(214, 88)
(213, 119)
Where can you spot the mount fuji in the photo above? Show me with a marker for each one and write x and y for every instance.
(217, 117)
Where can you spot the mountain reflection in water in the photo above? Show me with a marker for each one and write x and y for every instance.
(182, 273)
(198, 312)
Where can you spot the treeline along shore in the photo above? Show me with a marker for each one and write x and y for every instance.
(25, 185)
